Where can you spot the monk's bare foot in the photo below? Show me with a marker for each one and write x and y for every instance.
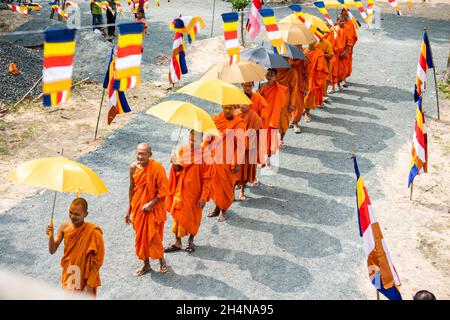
(190, 248)
(256, 184)
(214, 213)
(222, 217)
(163, 268)
(142, 270)
(242, 197)
(307, 118)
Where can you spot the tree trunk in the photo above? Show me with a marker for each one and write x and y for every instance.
(242, 29)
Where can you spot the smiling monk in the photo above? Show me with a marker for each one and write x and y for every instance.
(147, 209)
(83, 250)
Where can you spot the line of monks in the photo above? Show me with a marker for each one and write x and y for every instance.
(280, 104)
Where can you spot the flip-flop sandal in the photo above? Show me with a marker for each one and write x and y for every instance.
(190, 248)
(213, 214)
(222, 218)
(172, 248)
(141, 272)
(163, 269)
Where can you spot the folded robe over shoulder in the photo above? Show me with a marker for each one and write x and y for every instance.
(224, 180)
(149, 182)
(84, 252)
(186, 188)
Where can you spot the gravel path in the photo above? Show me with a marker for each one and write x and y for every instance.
(297, 237)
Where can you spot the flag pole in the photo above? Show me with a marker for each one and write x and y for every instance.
(213, 14)
(412, 187)
(434, 74)
(99, 113)
(378, 295)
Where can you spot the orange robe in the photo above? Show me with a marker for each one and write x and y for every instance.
(301, 67)
(83, 256)
(275, 95)
(186, 188)
(224, 180)
(247, 171)
(326, 46)
(353, 37)
(289, 79)
(149, 182)
(341, 63)
(259, 105)
(318, 74)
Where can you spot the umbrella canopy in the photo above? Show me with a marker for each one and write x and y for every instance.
(294, 33)
(316, 21)
(265, 58)
(184, 114)
(217, 91)
(291, 51)
(240, 72)
(58, 174)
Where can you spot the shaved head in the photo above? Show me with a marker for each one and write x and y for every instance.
(82, 203)
(143, 153)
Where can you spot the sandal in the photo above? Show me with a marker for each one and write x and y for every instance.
(190, 248)
(172, 248)
(213, 214)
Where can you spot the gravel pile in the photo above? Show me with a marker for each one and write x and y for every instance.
(29, 63)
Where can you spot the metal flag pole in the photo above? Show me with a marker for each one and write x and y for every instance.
(99, 113)
(412, 187)
(213, 14)
(378, 295)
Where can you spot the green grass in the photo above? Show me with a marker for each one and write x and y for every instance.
(445, 89)
(3, 144)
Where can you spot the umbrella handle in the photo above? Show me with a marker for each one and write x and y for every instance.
(51, 225)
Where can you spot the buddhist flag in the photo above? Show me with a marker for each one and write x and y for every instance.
(23, 10)
(254, 21)
(425, 62)
(370, 9)
(59, 49)
(419, 151)
(381, 269)
(178, 63)
(268, 17)
(410, 4)
(117, 101)
(395, 6)
(191, 26)
(298, 11)
(64, 14)
(350, 15)
(119, 7)
(361, 10)
(34, 6)
(323, 10)
(129, 55)
(230, 25)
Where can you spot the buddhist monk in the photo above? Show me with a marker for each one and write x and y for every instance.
(275, 95)
(147, 209)
(247, 171)
(287, 77)
(301, 68)
(353, 37)
(326, 46)
(341, 51)
(226, 160)
(189, 187)
(83, 250)
(318, 74)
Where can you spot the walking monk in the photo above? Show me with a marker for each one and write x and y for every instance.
(326, 46)
(301, 68)
(226, 160)
(318, 74)
(83, 250)
(189, 187)
(147, 209)
(247, 171)
(275, 95)
(287, 77)
(259, 104)
(352, 36)
(341, 53)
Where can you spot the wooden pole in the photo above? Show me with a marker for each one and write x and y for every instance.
(34, 86)
(99, 113)
(412, 187)
(213, 14)
(378, 295)
(434, 73)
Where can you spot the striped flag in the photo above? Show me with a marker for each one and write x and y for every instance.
(23, 10)
(60, 11)
(320, 5)
(395, 6)
(230, 25)
(382, 272)
(350, 15)
(71, 4)
(191, 26)
(178, 62)
(370, 9)
(119, 7)
(425, 62)
(129, 54)
(59, 49)
(268, 17)
(117, 101)
(419, 151)
(361, 10)
(254, 21)
(34, 6)
(298, 11)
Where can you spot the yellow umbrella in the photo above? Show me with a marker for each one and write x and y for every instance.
(58, 174)
(336, 4)
(316, 21)
(296, 34)
(184, 114)
(240, 72)
(216, 91)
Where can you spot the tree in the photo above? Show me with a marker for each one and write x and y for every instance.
(239, 6)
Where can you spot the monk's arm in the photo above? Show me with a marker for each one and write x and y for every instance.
(330, 53)
(162, 189)
(55, 240)
(97, 255)
(130, 193)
